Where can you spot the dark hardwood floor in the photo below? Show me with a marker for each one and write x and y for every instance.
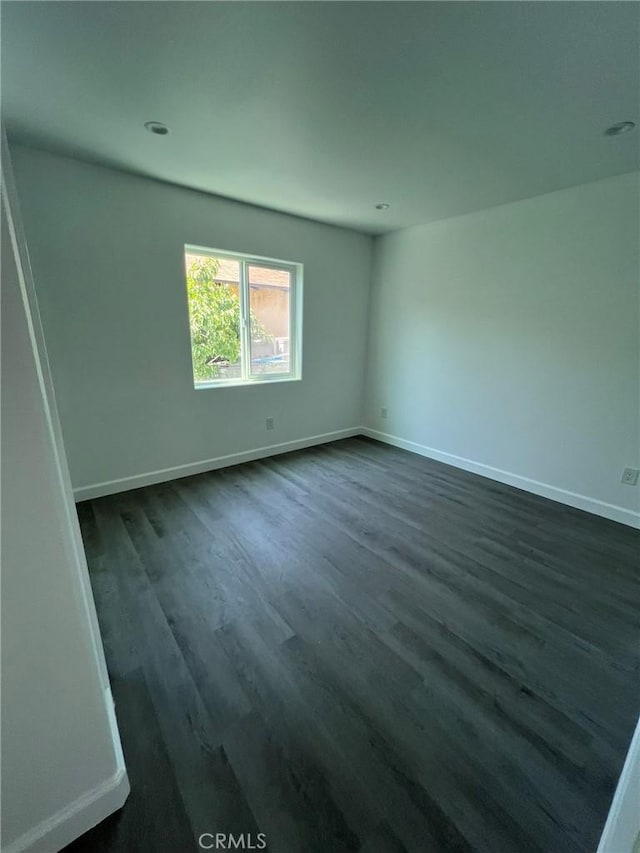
(353, 648)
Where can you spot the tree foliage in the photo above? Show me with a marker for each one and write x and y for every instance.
(214, 314)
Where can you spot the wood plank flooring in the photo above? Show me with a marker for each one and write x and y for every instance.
(353, 648)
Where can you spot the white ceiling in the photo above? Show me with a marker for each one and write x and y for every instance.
(323, 109)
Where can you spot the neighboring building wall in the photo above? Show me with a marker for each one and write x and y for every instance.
(271, 307)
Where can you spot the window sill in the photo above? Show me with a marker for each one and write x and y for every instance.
(244, 383)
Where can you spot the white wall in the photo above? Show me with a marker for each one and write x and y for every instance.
(509, 338)
(62, 767)
(505, 341)
(621, 832)
(107, 253)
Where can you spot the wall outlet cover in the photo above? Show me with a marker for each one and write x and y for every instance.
(630, 476)
(269, 423)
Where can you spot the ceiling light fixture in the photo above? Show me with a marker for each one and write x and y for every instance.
(156, 127)
(620, 127)
(383, 206)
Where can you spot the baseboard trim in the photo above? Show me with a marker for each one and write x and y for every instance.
(622, 829)
(78, 817)
(596, 507)
(111, 487)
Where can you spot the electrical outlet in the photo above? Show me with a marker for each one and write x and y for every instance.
(383, 412)
(269, 423)
(630, 476)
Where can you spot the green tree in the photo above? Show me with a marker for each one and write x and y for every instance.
(214, 315)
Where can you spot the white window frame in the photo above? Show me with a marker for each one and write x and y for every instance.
(295, 319)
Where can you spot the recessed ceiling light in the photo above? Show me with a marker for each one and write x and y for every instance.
(156, 127)
(620, 127)
(383, 206)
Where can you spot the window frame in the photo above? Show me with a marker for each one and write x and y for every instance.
(295, 271)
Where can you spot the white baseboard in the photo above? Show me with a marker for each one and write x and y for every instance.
(622, 829)
(111, 487)
(592, 505)
(606, 510)
(78, 817)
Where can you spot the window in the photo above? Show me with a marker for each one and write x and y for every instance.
(244, 317)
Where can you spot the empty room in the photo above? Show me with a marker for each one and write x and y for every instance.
(320, 426)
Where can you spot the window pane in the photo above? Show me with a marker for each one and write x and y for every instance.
(213, 289)
(269, 299)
